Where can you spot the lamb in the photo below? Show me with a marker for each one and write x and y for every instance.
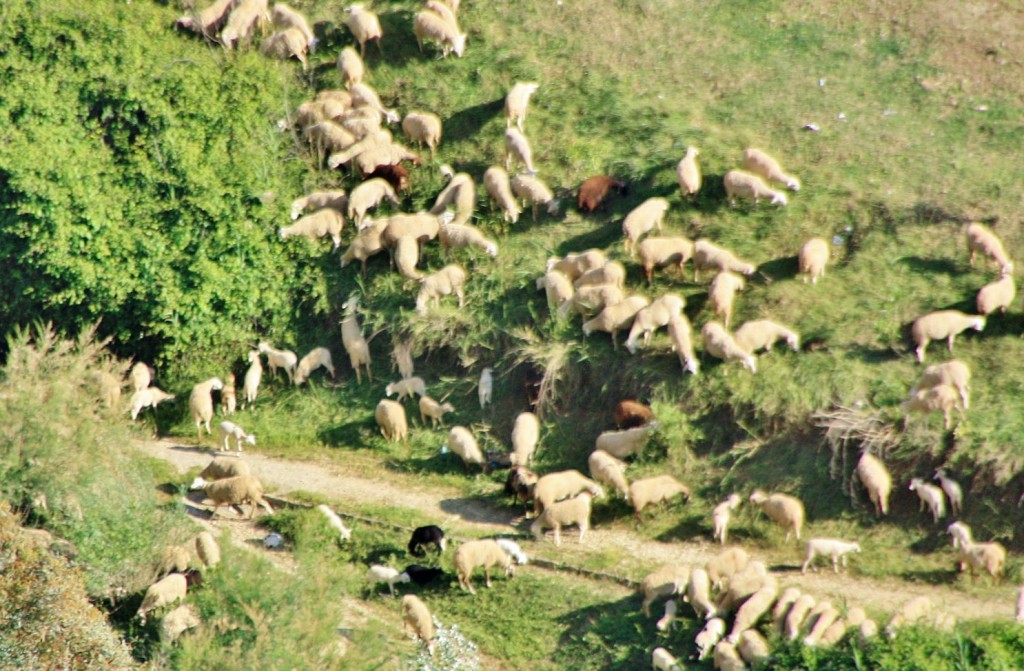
(520, 483)
(642, 219)
(726, 658)
(824, 615)
(236, 491)
(449, 280)
(760, 163)
(390, 416)
(611, 272)
(229, 396)
(364, 25)
(344, 533)
(593, 190)
(980, 238)
(954, 372)
(518, 147)
(796, 615)
(317, 357)
(682, 342)
(177, 622)
(574, 265)
(668, 580)
(416, 616)
(721, 515)
(355, 344)
(141, 376)
(463, 236)
(278, 358)
(428, 26)
(534, 192)
(251, 382)
(742, 584)
(709, 256)
(462, 443)
(563, 513)
(350, 67)
(655, 490)
(662, 660)
(485, 553)
(665, 623)
(720, 344)
(942, 324)
(406, 254)
(961, 534)
(367, 195)
(485, 387)
(517, 101)
(289, 43)
(366, 243)
(499, 190)
(688, 173)
(659, 313)
(837, 549)
(708, 637)
(525, 436)
(752, 609)
(621, 444)
(561, 485)
(229, 430)
(915, 610)
(952, 489)
(875, 477)
(207, 549)
(814, 255)
(558, 289)
(654, 252)
(513, 550)
(147, 398)
(427, 535)
(207, 21)
(325, 221)
(590, 299)
(200, 403)
(753, 647)
(931, 496)
(386, 575)
(163, 592)
(243, 18)
(763, 334)
(996, 295)
(434, 410)
(423, 128)
(615, 317)
(722, 294)
(422, 575)
(746, 185)
(927, 401)
(989, 557)
(785, 510)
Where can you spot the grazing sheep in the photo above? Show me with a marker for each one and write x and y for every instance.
(279, 358)
(464, 236)
(462, 443)
(147, 398)
(390, 416)
(163, 592)
(763, 334)
(722, 294)
(961, 534)
(955, 373)
(327, 138)
(838, 629)
(709, 256)
(615, 317)
(386, 575)
(611, 272)
(534, 192)
(781, 608)
(943, 324)
(952, 489)
(406, 388)
(823, 616)
(364, 25)
(449, 280)
(576, 264)
(682, 342)
(499, 190)
(517, 102)
(642, 219)
(284, 17)
(785, 510)
(721, 515)
(402, 355)
(726, 658)
(608, 470)
(423, 128)
(434, 410)
(229, 396)
(236, 491)
(200, 403)
(317, 357)
(485, 387)
(698, 594)
(654, 252)
(220, 468)
(752, 609)
(246, 15)
(175, 559)
(564, 513)
(367, 195)
(980, 238)
(141, 376)
(753, 647)
(350, 67)
(427, 535)
(725, 564)
(422, 576)
(352, 339)
(913, 611)
(688, 173)
(622, 444)
(719, 343)
(289, 43)
(742, 584)
(797, 614)
(344, 533)
(593, 190)
(520, 483)
(931, 496)
(518, 147)
(421, 227)
(253, 376)
(229, 430)
(655, 490)
(659, 313)
(459, 193)
(177, 622)
(662, 660)
(428, 26)
(746, 185)
(416, 617)
(835, 548)
(561, 485)
(926, 401)
(325, 221)
(485, 553)
(366, 243)
(590, 299)
(668, 580)
(365, 136)
(445, 11)
(988, 557)
(665, 623)
(207, 21)
(557, 287)
(525, 437)
(763, 165)
(875, 477)
(629, 414)
(814, 255)
(708, 637)
(996, 295)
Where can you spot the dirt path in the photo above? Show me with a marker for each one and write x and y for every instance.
(461, 515)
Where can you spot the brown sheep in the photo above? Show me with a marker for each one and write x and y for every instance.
(593, 191)
(630, 414)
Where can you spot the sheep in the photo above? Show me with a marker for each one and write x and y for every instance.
(952, 489)
(462, 443)
(576, 264)
(753, 647)
(709, 256)
(839, 627)
(350, 67)
(915, 610)
(513, 550)
(723, 292)
(243, 18)
(814, 255)
(942, 324)
(961, 534)
(525, 436)
(423, 128)
(517, 101)
(875, 477)
(422, 576)
(781, 608)
(141, 376)
(426, 535)
(520, 483)
(229, 430)
(698, 594)
(557, 287)
(390, 416)
(279, 358)
(989, 557)
(611, 272)
(721, 515)
(317, 357)
(416, 616)
(366, 243)
(428, 26)
(207, 21)
(518, 147)
(499, 190)
(459, 193)
(563, 513)
(325, 221)
(980, 238)
(708, 637)
(655, 490)
(147, 398)
(384, 162)
(593, 190)
(591, 299)
(534, 192)
(665, 623)
(364, 25)
(615, 317)
(253, 375)
(402, 355)
(367, 195)
(746, 185)
(406, 254)
(449, 280)
(654, 252)
(726, 658)
(682, 342)
(796, 615)
(763, 334)
(328, 138)
(386, 575)
(785, 510)
(954, 372)
(688, 173)
(659, 313)
(289, 43)
(177, 622)
(200, 403)
(355, 344)
(662, 660)
(561, 485)
(445, 11)
(642, 219)
(927, 401)
(996, 295)
(463, 236)
(163, 592)
(668, 580)
(725, 564)
(229, 396)
(621, 444)
(207, 549)
(434, 410)
(824, 615)
(236, 491)
(836, 549)
(763, 165)
(344, 533)
(868, 630)
(485, 387)
(752, 609)
(175, 559)
(931, 496)
(485, 553)
(719, 343)
(219, 469)
(742, 584)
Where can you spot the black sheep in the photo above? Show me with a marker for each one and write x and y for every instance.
(427, 535)
(422, 575)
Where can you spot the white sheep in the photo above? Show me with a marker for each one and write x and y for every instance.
(655, 490)
(797, 614)
(753, 647)
(518, 147)
(279, 358)
(931, 496)
(708, 637)
(611, 272)
(663, 660)
(988, 557)
(954, 372)
(344, 533)
(288, 43)
(423, 128)
(763, 334)
(943, 324)
(814, 255)
(654, 252)
(357, 347)
(416, 616)
(875, 477)
(150, 397)
(823, 616)
(141, 375)
(915, 610)
(285, 17)
(613, 318)
(608, 470)
(996, 295)
(722, 294)
(253, 376)
(742, 584)
(499, 190)
(855, 617)
(459, 194)
(386, 575)
(350, 66)
(564, 513)
(366, 243)
(327, 138)
(721, 515)
(317, 357)
(709, 256)
(698, 594)
(624, 443)
(760, 163)
(402, 355)
(557, 288)
(534, 193)
(364, 135)
(953, 491)
(485, 387)
(200, 403)
(643, 218)
(177, 622)
(659, 313)
(785, 510)
(390, 416)
(513, 550)
(752, 609)
(575, 264)
(163, 592)
(367, 195)
(561, 485)
(229, 395)
(406, 388)
(781, 608)
(444, 10)
(463, 236)
(208, 20)
(246, 15)
(942, 398)
(207, 549)
(419, 226)
(525, 437)
(364, 25)
(666, 621)
(219, 469)
(868, 630)
(719, 343)
(667, 580)
(688, 173)
(449, 280)
(236, 491)
(428, 26)
(682, 342)
(961, 534)
(517, 101)
(725, 564)
(462, 443)
(434, 410)
(325, 221)
(739, 183)
(485, 553)
(590, 299)
(980, 238)
(726, 658)
(406, 255)
(229, 430)
(832, 547)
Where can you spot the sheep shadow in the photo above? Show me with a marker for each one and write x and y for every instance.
(467, 122)
(931, 576)
(470, 510)
(341, 434)
(603, 236)
(617, 624)
(920, 264)
(780, 268)
(688, 528)
(869, 354)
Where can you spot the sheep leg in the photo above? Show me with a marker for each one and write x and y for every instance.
(487, 575)
(558, 535)
(583, 530)
(807, 562)
(835, 563)
(949, 342)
